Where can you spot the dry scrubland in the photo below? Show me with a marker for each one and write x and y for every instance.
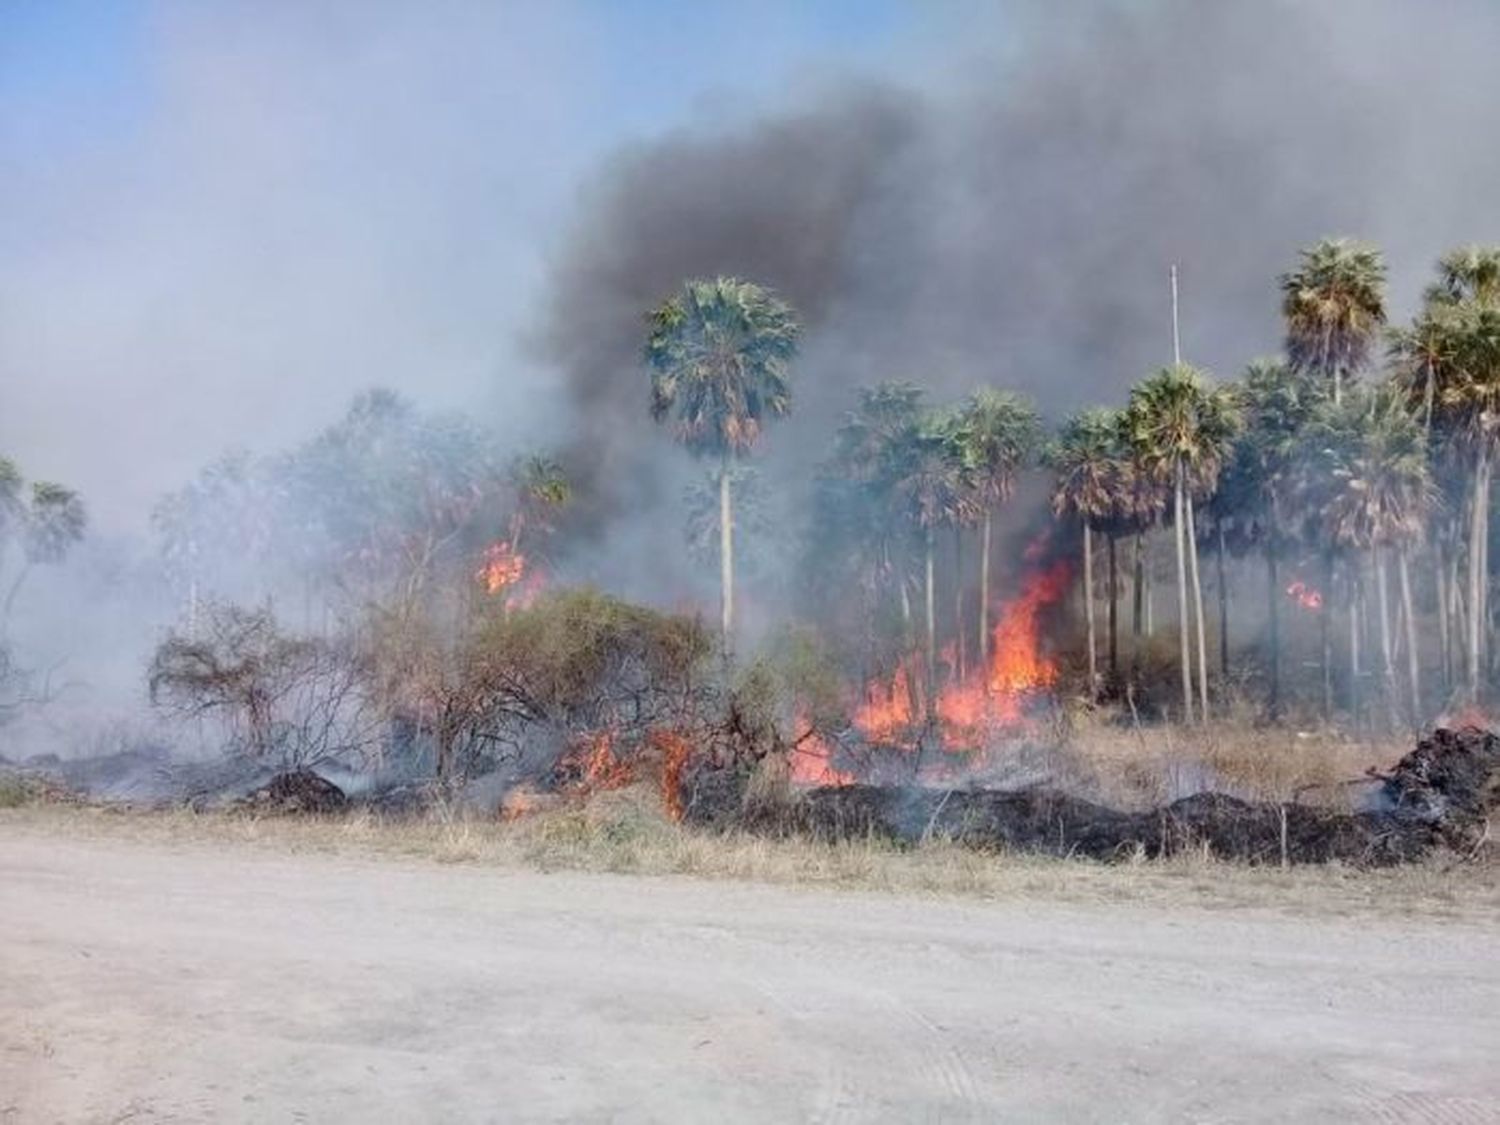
(627, 830)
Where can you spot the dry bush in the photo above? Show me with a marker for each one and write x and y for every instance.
(277, 696)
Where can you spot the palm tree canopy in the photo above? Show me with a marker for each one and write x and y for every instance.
(1275, 407)
(933, 471)
(719, 353)
(1468, 275)
(1334, 307)
(1178, 417)
(1367, 482)
(885, 414)
(1095, 472)
(53, 521)
(1003, 431)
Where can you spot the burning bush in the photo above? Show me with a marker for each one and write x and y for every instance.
(558, 685)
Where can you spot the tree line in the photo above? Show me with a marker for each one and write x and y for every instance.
(1362, 456)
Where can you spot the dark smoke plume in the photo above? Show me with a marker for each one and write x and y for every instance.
(1017, 227)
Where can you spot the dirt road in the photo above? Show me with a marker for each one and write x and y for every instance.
(143, 982)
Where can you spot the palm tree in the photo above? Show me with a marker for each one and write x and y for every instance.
(542, 489)
(1334, 307)
(934, 479)
(1256, 495)
(719, 353)
(1179, 426)
(1469, 275)
(1373, 494)
(1093, 484)
(1003, 430)
(867, 454)
(52, 521)
(1454, 349)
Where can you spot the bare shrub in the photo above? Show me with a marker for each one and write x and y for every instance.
(295, 701)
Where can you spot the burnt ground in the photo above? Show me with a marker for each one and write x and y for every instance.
(1441, 795)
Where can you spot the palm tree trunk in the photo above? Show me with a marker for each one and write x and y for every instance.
(1114, 616)
(1088, 608)
(1192, 543)
(726, 553)
(1223, 606)
(1413, 663)
(1387, 660)
(1150, 595)
(1354, 663)
(1137, 594)
(1185, 655)
(1444, 639)
(984, 598)
(931, 661)
(1273, 610)
(1137, 606)
(1478, 530)
(960, 648)
(1326, 636)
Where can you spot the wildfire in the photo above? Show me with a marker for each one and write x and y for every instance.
(1304, 595)
(503, 567)
(1019, 667)
(504, 572)
(885, 713)
(675, 751)
(595, 765)
(812, 761)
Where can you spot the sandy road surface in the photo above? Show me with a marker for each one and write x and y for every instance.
(143, 982)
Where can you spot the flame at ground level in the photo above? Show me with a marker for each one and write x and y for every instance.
(811, 759)
(1305, 596)
(1019, 668)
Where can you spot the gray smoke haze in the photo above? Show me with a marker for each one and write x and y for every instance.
(293, 202)
(1013, 222)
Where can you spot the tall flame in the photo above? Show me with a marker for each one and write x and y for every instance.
(1018, 668)
(811, 760)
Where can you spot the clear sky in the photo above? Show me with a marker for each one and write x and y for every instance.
(222, 219)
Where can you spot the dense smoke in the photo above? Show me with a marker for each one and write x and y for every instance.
(1016, 225)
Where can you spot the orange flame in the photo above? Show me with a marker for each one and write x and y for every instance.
(1018, 669)
(593, 760)
(811, 760)
(885, 714)
(675, 751)
(1305, 596)
(503, 567)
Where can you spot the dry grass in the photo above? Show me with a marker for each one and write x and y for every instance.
(1136, 767)
(625, 832)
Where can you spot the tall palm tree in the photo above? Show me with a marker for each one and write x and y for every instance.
(51, 521)
(719, 353)
(1093, 485)
(1334, 306)
(1255, 498)
(1454, 348)
(1373, 494)
(934, 478)
(1179, 426)
(1003, 431)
